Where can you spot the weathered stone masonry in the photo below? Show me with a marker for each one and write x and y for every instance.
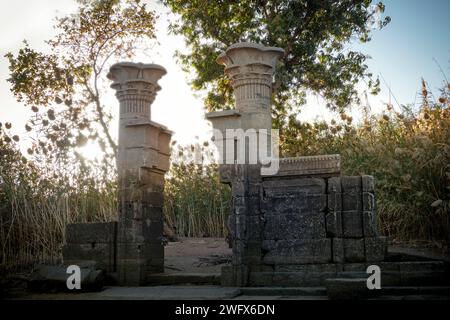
(131, 248)
(303, 224)
(297, 227)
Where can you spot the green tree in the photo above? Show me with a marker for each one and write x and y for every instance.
(67, 81)
(313, 33)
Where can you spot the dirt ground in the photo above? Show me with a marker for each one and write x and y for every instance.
(196, 255)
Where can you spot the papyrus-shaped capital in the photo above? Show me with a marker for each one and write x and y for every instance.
(136, 85)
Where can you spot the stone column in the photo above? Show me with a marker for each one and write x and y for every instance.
(250, 68)
(142, 160)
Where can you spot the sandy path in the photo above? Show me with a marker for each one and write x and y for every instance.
(196, 255)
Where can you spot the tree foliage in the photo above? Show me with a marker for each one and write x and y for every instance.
(313, 33)
(67, 81)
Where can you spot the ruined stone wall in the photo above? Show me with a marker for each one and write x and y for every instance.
(91, 242)
(296, 228)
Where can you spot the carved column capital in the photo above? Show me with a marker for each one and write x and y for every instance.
(250, 67)
(136, 85)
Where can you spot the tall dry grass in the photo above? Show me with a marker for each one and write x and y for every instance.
(196, 203)
(36, 204)
(407, 151)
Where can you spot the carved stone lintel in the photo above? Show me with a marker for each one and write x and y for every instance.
(323, 166)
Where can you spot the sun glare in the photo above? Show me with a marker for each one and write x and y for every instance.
(91, 151)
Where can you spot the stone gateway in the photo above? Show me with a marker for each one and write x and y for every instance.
(303, 225)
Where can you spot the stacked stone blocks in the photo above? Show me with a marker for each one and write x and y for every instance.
(135, 248)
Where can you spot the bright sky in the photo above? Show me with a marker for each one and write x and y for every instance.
(402, 53)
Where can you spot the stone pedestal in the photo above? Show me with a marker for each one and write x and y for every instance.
(143, 159)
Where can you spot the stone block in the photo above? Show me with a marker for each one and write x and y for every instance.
(294, 226)
(245, 227)
(334, 224)
(368, 199)
(370, 224)
(298, 204)
(153, 179)
(297, 251)
(253, 189)
(226, 276)
(151, 212)
(368, 183)
(226, 173)
(246, 252)
(352, 224)
(423, 273)
(375, 248)
(139, 251)
(86, 233)
(338, 250)
(253, 173)
(301, 186)
(420, 278)
(261, 279)
(239, 210)
(304, 274)
(348, 289)
(246, 205)
(354, 250)
(348, 250)
(131, 272)
(152, 251)
(102, 253)
(132, 215)
(334, 185)
(261, 268)
(239, 189)
(238, 251)
(356, 267)
(334, 202)
(153, 198)
(309, 268)
(152, 230)
(253, 205)
(351, 184)
(234, 276)
(301, 279)
(352, 202)
(46, 278)
(320, 166)
(155, 265)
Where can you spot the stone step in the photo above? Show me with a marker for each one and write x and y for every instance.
(352, 288)
(321, 291)
(284, 291)
(167, 279)
(434, 290)
(404, 279)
